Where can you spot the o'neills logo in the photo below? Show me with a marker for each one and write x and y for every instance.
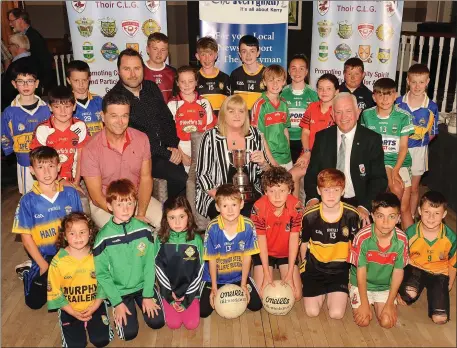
(281, 300)
(232, 293)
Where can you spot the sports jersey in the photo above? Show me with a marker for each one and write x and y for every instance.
(228, 251)
(379, 262)
(277, 229)
(214, 88)
(391, 128)
(363, 95)
(315, 120)
(425, 120)
(249, 86)
(272, 120)
(64, 142)
(328, 242)
(164, 78)
(90, 113)
(72, 281)
(179, 267)
(297, 101)
(434, 256)
(18, 125)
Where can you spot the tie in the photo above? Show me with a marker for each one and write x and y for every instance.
(341, 154)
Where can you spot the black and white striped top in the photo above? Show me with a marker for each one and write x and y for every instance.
(213, 165)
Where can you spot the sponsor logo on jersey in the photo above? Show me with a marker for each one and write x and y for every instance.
(78, 6)
(383, 55)
(344, 29)
(323, 7)
(365, 54)
(390, 144)
(343, 52)
(239, 83)
(130, 27)
(150, 26)
(55, 208)
(365, 30)
(108, 27)
(385, 32)
(141, 248)
(152, 6)
(323, 52)
(390, 7)
(324, 28)
(345, 231)
(88, 52)
(38, 216)
(133, 45)
(442, 256)
(85, 26)
(319, 232)
(67, 276)
(109, 51)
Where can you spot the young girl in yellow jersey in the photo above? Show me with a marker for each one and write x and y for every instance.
(73, 289)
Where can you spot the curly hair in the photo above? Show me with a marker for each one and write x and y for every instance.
(277, 176)
(174, 203)
(66, 224)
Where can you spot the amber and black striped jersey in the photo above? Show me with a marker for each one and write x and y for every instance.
(249, 86)
(214, 88)
(328, 242)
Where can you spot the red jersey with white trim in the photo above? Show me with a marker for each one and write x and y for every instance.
(64, 142)
(277, 229)
(164, 78)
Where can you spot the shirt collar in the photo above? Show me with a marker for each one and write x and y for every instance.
(424, 103)
(106, 143)
(154, 69)
(240, 228)
(349, 135)
(36, 187)
(21, 55)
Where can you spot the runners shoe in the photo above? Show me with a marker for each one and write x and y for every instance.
(23, 267)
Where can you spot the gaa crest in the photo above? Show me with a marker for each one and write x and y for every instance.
(343, 52)
(221, 85)
(189, 251)
(344, 30)
(364, 53)
(68, 209)
(390, 7)
(383, 55)
(324, 28)
(345, 231)
(88, 52)
(365, 30)
(133, 45)
(323, 52)
(384, 32)
(152, 6)
(130, 27)
(150, 26)
(78, 6)
(108, 27)
(85, 26)
(323, 7)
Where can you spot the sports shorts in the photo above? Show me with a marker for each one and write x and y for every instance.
(274, 262)
(419, 156)
(316, 283)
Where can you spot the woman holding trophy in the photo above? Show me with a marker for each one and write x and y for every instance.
(232, 152)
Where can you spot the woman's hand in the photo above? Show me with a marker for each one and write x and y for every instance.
(258, 157)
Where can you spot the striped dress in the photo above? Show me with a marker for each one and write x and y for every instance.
(213, 165)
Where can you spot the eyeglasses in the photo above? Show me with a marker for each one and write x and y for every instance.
(25, 82)
(11, 21)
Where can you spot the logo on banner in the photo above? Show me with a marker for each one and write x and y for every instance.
(344, 30)
(323, 52)
(78, 6)
(109, 51)
(385, 32)
(85, 26)
(323, 7)
(130, 27)
(343, 52)
(365, 30)
(364, 53)
(108, 27)
(152, 6)
(324, 28)
(88, 52)
(391, 7)
(150, 26)
(383, 55)
(133, 45)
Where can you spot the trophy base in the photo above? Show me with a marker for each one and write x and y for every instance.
(246, 193)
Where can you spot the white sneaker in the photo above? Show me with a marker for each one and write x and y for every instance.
(23, 267)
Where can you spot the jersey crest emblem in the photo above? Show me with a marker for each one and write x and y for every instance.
(68, 209)
(345, 231)
(355, 299)
(241, 244)
(262, 86)
(394, 128)
(20, 127)
(221, 85)
(105, 320)
(362, 168)
(189, 252)
(130, 27)
(92, 274)
(49, 287)
(141, 248)
(442, 257)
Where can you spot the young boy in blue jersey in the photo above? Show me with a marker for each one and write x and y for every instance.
(88, 105)
(230, 241)
(19, 121)
(38, 218)
(425, 121)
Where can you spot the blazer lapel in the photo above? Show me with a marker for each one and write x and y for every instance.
(356, 156)
(332, 146)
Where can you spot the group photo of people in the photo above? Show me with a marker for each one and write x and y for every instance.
(261, 177)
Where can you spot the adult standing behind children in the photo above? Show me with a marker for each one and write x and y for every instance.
(354, 150)
(149, 113)
(119, 152)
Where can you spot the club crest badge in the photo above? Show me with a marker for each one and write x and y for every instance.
(344, 29)
(49, 287)
(68, 209)
(364, 53)
(262, 85)
(141, 248)
(20, 127)
(85, 26)
(343, 52)
(133, 45)
(109, 51)
(365, 30)
(324, 28)
(150, 26)
(362, 168)
(105, 320)
(394, 128)
(78, 6)
(383, 55)
(152, 6)
(385, 32)
(390, 7)
(241, 245)
(189, 252)
(108, 27)
(323, 7)
(88, 52)
(92, 275)
(221, 85)
(130, 27)
(323, 52)
(345, 231)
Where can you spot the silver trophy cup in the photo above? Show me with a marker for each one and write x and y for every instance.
(238, 159)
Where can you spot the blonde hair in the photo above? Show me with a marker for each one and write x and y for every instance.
(228, 103)
(20, 40)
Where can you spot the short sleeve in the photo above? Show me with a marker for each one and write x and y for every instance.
(305, 230)
(251, 246)
(288, 125)
(210, 252)
(306, 120)
(56, 298)
(358, 255)
(407, 126)
(23, 218)
(259, 221)
(7, 136)
(296, 218)
(402, 256)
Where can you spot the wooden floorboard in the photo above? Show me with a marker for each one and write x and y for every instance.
(23, 327)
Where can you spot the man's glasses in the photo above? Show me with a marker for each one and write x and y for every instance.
(25, 82)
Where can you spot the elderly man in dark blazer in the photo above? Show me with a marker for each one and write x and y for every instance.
(355, 150)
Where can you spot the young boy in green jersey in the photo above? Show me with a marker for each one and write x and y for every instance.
(432, 263)
(271, 116)
(213, 84)
(298, 95)
(246, 80)
(395, 127)
(125, 265)
(378, 255)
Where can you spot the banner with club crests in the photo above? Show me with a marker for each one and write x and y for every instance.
(369, 30)
(100, 30)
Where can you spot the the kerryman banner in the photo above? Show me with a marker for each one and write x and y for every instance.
(369, 30)
(100, 30)
(228, 21)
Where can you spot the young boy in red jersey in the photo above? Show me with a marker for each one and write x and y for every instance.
(63, 132)
(155, 68)
(191, 112)
(277, 217)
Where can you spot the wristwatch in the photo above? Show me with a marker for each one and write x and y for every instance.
(306, 150)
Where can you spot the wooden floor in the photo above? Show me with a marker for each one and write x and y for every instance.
(23, 327)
